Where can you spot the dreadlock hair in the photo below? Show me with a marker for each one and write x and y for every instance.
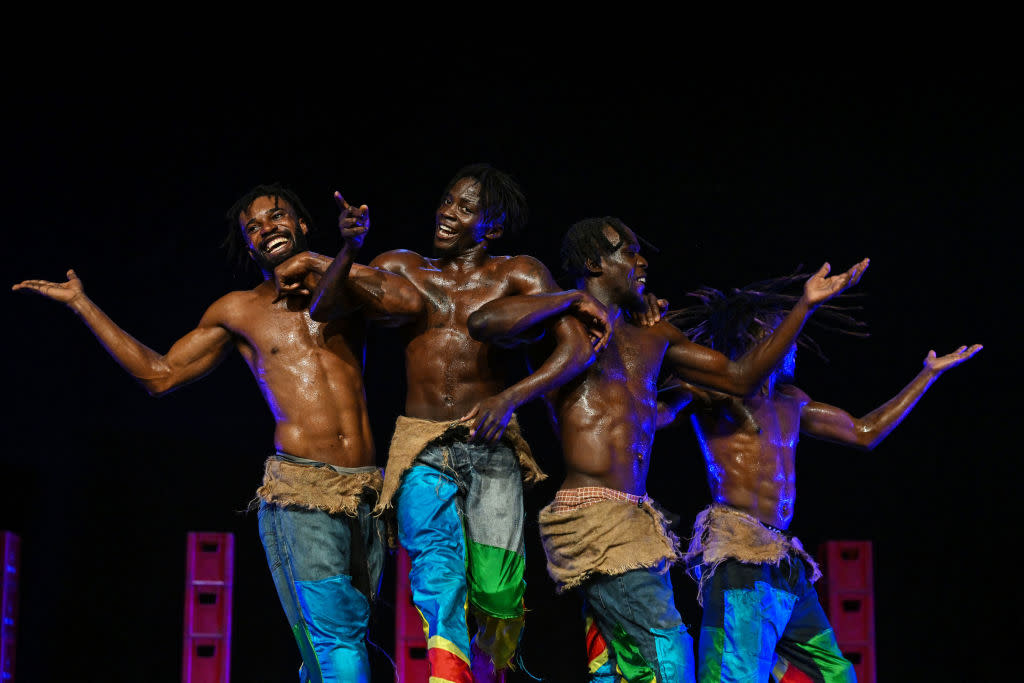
(234, 242)
(732, 323)
(585, 242)
(501, 199)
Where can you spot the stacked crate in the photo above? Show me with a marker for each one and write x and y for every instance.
(847, 594)
(209, 574)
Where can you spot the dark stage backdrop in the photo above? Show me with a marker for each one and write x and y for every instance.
(734, 177)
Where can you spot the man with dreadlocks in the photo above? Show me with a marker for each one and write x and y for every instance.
(457, 459)
(602, 534)
(761, 614)
(324, 547)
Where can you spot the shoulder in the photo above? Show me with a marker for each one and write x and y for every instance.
(527, 273)
(398, 258)
(236, 306)
(793, 392)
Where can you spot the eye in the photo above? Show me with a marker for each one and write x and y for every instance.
(278, 215)
(251, 228)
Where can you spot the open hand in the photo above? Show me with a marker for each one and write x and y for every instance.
(819, 288)
(64, 292)
(354, 222)
(950, 360)
(490, 418)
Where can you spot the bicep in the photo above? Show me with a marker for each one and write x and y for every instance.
(699, 364)
(200, 350)
(829, 423)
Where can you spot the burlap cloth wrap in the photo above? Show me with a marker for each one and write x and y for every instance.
(721, 533)
(412, 435)
(317, 488)
(609, 537)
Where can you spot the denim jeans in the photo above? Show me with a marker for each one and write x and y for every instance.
(636, 616)
(755, 614)
(309, 553)
(460, 517)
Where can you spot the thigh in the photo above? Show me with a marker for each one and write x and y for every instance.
(746, 609)
(494, 497)
(808, 642)
(314, 544)
(637, 616)
(494, 531)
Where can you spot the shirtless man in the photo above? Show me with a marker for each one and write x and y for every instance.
(322, 482)
(746, 562)
(457, 459)
(602, 533)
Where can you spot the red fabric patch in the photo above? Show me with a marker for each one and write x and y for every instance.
(448, 666)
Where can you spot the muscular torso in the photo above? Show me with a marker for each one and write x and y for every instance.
(309, 373)
(607, 416)
(447, 371)
(751, 470)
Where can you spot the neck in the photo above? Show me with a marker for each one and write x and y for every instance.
(468, 259)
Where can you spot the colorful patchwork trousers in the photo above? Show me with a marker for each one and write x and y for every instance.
(311, 555)
(762, 619)
(460, 518)
(634, 631)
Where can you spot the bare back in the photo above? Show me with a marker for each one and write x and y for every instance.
(309, 373)
(447, 371)
(749, 450)
(607, 416)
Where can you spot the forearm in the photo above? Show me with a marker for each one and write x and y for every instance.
(572, 355)
(877, 424)
(138, 360)
(515, 316)
(750, 371)
(330, 298)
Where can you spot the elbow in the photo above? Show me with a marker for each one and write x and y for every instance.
(478, 324)
(156, 389)
(867, 439)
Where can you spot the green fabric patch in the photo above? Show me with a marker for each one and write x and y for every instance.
(307, 652)
(630, 663)
(496, 585)
(825, 652)
(709, 653)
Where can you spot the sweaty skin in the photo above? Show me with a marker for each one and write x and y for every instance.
(309, 372)
(606, 417)
(751, 463)
(450, 376)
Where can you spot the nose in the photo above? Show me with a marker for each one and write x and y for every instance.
(641, 261)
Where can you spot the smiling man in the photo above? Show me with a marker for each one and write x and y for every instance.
(602, 534)
(457, 460)
(324, 548)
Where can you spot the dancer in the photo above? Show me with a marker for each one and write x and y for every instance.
(602, 533)
(324, 548)
(760, 611)
(458, 460)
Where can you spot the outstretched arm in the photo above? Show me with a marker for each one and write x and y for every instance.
(830, 423)
(191, 357)
(380, 295)
(706, 367)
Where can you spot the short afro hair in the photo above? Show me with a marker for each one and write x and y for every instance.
(501, 198)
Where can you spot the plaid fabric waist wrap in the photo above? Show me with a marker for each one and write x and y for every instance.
(574, 499)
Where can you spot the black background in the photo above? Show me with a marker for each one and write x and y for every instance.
(125, 174)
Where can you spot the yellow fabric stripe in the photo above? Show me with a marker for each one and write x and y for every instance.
(442, 643)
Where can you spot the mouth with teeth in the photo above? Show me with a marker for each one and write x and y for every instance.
(444, 233)
(641, 281)
(276, 244)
